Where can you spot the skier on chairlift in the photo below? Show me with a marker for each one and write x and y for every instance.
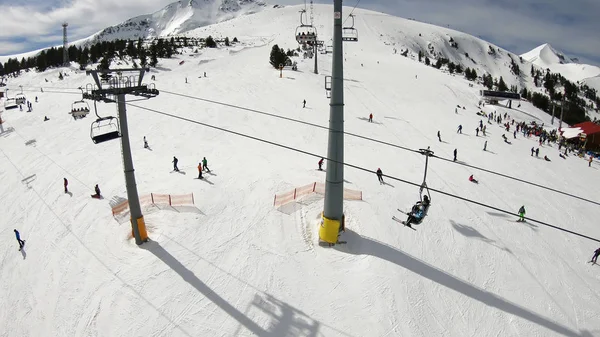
(417, 212)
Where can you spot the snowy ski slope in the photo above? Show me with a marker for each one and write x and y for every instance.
(234, 265)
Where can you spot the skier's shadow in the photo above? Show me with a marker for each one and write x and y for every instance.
(362, 245)
(389, 184)
(24, 253)
(205, 180)
(367, 120)
(70, 194)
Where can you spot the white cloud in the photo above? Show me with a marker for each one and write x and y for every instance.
(7, 47)
(517, 25)
(85, 17)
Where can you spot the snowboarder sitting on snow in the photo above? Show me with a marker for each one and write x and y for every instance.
(471, 179)
(46, 118)
(546, 158)
(97, 190)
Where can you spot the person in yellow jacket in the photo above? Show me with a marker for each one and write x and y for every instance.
(199, 170)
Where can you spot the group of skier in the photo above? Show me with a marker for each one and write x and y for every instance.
(202, 166)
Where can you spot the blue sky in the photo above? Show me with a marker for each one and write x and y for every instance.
(519, 26)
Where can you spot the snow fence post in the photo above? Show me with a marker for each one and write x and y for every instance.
(193, 203)
(152, 197)
(169, 200)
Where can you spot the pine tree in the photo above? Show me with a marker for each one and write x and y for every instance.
(277, 57)
(41, 63)
(153, 54)
(105, 63)
(131, 51)
(427, 62)
(210, 42)
(143, 57)
(420, 55)
(438, 63)
(227, 41)
(235, 40)
(501, 85)
(459, 69)
(83, 59)
(451, 67)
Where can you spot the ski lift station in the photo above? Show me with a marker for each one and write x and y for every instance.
(493, 97)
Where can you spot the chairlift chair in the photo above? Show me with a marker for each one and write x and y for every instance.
(305, 33)
(10, 103)
(79, 109)
(104, 129)
(427, 153)
(350, 33)
(20, 98)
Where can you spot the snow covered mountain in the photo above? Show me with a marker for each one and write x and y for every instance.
(547, 57)
(178, 18)
(232, 264)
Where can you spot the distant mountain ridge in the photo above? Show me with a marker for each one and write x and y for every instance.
(546, 54)
(546, 57)
(176, 18)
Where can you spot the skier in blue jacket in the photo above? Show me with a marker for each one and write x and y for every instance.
(21, 242)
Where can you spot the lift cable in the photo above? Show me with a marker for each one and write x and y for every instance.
(361, 137)
(381, 142)
(287, 147)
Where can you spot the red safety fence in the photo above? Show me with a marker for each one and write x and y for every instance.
(319, 188)
(156, 199)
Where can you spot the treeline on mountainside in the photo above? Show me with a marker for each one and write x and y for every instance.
(574, 105)
(146, 52)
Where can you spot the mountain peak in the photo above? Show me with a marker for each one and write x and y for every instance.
(545, 55)
(179, 17)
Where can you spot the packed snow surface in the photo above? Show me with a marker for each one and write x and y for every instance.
(233, 265)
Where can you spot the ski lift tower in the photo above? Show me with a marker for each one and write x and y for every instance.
(65, 46)
(333, 212)
(108, 86)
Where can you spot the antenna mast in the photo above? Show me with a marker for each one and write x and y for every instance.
(312, 17)
(65, 45)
